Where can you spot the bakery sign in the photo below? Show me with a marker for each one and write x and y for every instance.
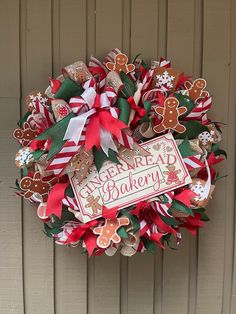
(122, 185)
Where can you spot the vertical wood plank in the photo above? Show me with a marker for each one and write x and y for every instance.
(36, 65)
(108, 26)
(144, 23)
(232, 156)
(216, 60)
(69, 45)
(180, 50)
(11, 277)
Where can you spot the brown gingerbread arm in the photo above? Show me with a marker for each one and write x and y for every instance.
(181, 110)
(28, 194)
(110, 65)
(159, 110)
(97, 230)
(188, 84)
(115, 238)
(204, 93)
(37, 176)
(130, 67)
(26, 126)
(123, 221)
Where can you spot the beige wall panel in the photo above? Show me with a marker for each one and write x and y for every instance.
(36, 63)
(69, 45)
(11, 277)
(144, 27)
(9, 48)
(199, 38)
(176, 264)
(11, 280)
(216, 58)
(108, 26)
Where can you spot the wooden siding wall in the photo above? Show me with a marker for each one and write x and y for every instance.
(38, 37)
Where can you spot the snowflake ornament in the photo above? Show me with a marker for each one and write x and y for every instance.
(165, 81)
(24, 157)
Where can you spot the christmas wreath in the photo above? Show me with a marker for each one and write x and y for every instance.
(119, 155)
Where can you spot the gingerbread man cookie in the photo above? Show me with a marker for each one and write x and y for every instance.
(120, 64)
(172, 176)
(25, 135)
(93, 204)
(108, 232)
(36, 185)
(170, 113)
(196, 89)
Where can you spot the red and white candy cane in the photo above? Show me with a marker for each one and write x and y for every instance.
(162, 207)
(199, 112)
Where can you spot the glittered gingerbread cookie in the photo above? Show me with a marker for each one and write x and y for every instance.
(196, 89)
(25, 134)
(120, 64)
(37, 186)
(108, 232)
(172, 175)
(170, 113)
(93, 204)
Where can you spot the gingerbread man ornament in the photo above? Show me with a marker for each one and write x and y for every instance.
(25, 135)
(108, 232)
(172, 175)
(93, 204)
(196, 89)
(37, 186)
(170, 113)
(120, 64)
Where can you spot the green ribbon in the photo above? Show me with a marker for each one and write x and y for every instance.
(69, 89)
(185, 149)
(56, 134)
(124, 107)
(147, 106)
(100, 157)
(193, 129)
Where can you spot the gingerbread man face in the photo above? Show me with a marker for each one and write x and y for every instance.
(25, 135)
(120, 64)
(196, 89)
(108, 232)
(170, 113)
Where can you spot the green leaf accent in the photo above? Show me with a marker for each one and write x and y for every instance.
(124, 108)
(193, 129)
(37, 154)
(134, 219)
(122, 233)
(100, 157)
(221, 152)
(201, 211)
(69, 89)
(129, 87)
(65, 217)
(147, 106)
(171, 221)
(167, 238)
(56, 134)
(181, 207)
(69, 191)
(185, 101)
(185, 149)
(149, 245)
